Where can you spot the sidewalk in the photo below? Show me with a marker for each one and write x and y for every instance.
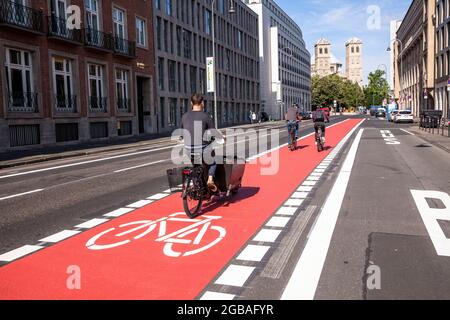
(436, 139)
(46, 153)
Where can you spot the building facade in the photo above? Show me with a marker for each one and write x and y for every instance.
(61, 85)
(325, 63)
(416, 56)
(183, 41)
(285, 62)
(442, 59)
(394, 72)
(354, 61)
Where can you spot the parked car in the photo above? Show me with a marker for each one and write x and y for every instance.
(393, 115)
(404, 116)
(381, 113)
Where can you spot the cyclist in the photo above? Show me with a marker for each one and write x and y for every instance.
(195, 124)
(319, 118)
(292, 118)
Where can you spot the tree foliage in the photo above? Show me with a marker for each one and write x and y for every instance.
(333, 87)
(377, 89)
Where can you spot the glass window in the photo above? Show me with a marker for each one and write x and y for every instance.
(169, 7)
(119, 23)
(122, 89)
(19, 82)
(141, 32)
(62, 82)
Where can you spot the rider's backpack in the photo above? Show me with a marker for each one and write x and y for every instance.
(320, 116)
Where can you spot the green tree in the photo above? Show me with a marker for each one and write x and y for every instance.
(377, 89)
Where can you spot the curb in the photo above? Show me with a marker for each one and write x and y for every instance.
(434, 143)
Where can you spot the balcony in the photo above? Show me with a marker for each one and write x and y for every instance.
(124, 47)
(124, 105)
(66, 103)
(17, 15)
(98, 39)
(23, 102)
(98, 104)
(57, 28)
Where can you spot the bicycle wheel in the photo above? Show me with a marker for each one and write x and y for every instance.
(192, 199)
(293, 144)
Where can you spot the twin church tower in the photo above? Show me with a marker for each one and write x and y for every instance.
(325, 63)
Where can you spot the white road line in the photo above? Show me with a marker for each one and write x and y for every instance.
(408, 132)
(21, 194)
(118, 212)
(217, 296)
(140, 204)
(235, 276)
(91, 223)
(267, 235)
(305, 189)
(253, 253)
(278, 222)
(286, 211)
(313, 178)
(84, 162)
(57, 237)
(158, 196)
(305, 278)
(294, 202)
(141, 166)
(309, 183)
(300, 195)
(19, 252)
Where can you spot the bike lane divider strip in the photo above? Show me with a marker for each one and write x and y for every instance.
(305, 278)
(137, 266)
(276, 224)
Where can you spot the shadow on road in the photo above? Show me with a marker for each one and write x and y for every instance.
(217, 202)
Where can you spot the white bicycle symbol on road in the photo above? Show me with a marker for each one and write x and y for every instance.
(200, 226)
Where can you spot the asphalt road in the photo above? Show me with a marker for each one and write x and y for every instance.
(369, 221)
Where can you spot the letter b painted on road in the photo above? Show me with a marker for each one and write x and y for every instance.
(430, 217)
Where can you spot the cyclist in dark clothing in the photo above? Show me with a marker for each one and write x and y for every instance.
(195, 124)
(319, 118)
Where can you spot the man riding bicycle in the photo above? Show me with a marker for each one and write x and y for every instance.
(319, 118)
(195, 124)
(292, 118)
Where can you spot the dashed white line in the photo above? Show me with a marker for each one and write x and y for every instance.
(278, 222)
(267, 235)
(21, 194)
(410, 133)
(91, 223)
(19, 252)
(141, 166)
(57, 237)
(300, 195)
(140, 204)
(235, 276)
(294, 202)
(158, 196)
(309, 183)
(217, 296)
(305, 188)
(118, 212)
(286, 211)
(253, 253)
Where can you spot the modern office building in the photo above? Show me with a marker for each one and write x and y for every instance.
(61, 85)
(183, 40)
(325, 62)
(442, 60)
(284, 60)
(416, 57)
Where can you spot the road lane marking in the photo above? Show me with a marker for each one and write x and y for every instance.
(309, 183)
(303, 188)
(91, 223)
(278, 222)
(142, 165)
(294, 202)
(286, 211)
(57, 237)
(300, 195)
(21, 194)
(431, 217)
(389, 138)
(118, 212)
(19, 252)
(235, 276)
(410, 133)
(158, 196)
(217, 296)
(139, 204)
(267, 235)
(304, 280)
(254, 253)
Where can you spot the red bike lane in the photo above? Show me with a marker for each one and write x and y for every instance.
(144, 268)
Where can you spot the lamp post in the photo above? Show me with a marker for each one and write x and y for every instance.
(401, 66)
(230, 10)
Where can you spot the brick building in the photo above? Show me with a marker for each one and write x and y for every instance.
(60, 86)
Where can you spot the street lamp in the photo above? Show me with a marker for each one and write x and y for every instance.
(230, 10)
(401, 65)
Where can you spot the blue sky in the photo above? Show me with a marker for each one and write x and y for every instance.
(340, 20)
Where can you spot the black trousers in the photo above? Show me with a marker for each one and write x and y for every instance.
(321, 125)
